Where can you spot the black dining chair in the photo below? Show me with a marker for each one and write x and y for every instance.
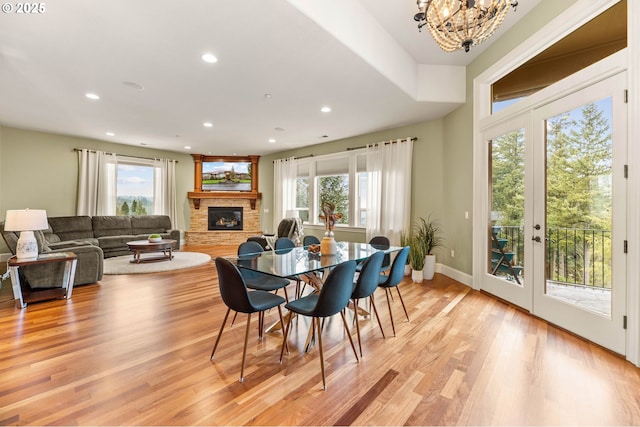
(235, 295)
(393, 279)
(310, 240)
(365, 286)
(256, 280)
(332, 299)
(381, 242)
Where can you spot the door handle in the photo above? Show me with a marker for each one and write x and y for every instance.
(537, 226)
(536, 239)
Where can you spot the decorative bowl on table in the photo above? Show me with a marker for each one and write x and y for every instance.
(155, 238)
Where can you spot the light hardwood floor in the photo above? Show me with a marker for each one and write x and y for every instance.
(134, 350)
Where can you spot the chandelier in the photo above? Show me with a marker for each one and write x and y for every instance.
(457, 24)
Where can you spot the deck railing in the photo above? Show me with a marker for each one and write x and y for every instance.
(575, 256)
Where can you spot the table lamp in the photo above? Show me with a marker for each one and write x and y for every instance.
(26, 221)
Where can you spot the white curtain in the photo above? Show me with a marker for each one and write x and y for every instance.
(285, 172)
(96, 183)
(164, 189)
(389, 189)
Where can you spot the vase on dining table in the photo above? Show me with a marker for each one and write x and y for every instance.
(328, 244)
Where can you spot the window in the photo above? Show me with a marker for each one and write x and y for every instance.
(340, 179)
(134, 188)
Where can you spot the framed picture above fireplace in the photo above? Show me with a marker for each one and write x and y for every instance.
(226, 173)
(225, 177)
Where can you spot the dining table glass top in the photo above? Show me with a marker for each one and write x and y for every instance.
(297, 261)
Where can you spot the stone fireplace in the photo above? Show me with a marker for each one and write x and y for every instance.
(236, 214)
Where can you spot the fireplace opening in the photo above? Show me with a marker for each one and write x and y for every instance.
(225, 218)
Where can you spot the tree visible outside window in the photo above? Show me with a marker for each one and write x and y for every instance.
(335, 189)
(134, 189)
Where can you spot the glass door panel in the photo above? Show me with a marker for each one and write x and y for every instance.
(579, 160)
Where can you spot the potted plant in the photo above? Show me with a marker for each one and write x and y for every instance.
(405, 240)
(416, 259)
(429, 233)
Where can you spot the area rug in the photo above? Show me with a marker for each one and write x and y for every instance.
(123, 264)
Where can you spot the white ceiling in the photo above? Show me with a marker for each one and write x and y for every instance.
(360, 57)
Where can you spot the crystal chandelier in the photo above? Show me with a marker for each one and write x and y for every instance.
(457, 24)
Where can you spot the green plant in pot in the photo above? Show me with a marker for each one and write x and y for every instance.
(155, 237)
(416, 259)
(429, 233)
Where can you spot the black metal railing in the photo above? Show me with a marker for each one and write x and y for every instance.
(575, 256)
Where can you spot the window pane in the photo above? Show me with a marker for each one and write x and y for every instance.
(362, 198)
(335, 189)
(134, 190)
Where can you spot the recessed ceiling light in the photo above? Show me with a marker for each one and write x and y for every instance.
(267, 96)
(110, 134)
(207, 124)
(143, 143)
(210, 58)
(279, 129)
(187, 147)
(325, 109)
(92, 96)
(271, 140)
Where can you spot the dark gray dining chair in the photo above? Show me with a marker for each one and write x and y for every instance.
(332, 299)
(393, 279)
(365, 287)
(380, 242)
(235, 295)
(254, 279)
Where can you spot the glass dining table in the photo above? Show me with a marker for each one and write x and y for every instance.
(299, 264)
(299, 261)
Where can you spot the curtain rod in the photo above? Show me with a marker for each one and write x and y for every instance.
(125, 155)
(385, 143)
(296, 158)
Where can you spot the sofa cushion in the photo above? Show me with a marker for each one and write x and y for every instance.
(110, 242)
(70, 228)
(149, 224)
(111, 226)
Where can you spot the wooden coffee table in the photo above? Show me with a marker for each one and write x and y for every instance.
(139, 247)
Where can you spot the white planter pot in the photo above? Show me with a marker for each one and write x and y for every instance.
(429, 267)
(407, 270)
(416, 276)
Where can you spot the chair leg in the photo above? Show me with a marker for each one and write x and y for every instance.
(282, 323)
(386, 292)
(355, 316)
(286, 333)
(403, 307)
(372, 304)
(316, 320)
(244, 352)
(346, 327)
(220, 333)
(260, 325)
(234, 318)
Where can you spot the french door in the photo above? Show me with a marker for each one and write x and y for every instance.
(555, 211)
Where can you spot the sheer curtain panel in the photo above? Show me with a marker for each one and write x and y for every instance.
(96, 183)
(164, 188)
(285, 173)
(389, 188)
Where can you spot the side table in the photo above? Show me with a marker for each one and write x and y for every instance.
(22, 294)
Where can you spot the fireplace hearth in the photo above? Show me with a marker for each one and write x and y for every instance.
(225, 218)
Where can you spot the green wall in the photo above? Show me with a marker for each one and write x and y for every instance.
(40, 171)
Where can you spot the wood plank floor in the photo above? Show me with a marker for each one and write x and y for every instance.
(134, 350)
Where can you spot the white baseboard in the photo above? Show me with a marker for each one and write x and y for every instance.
(464, 278)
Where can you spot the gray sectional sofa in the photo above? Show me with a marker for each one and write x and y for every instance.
(92, 239)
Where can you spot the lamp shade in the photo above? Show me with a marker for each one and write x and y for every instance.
(26, 220)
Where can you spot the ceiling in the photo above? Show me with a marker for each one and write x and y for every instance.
(279, 62)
